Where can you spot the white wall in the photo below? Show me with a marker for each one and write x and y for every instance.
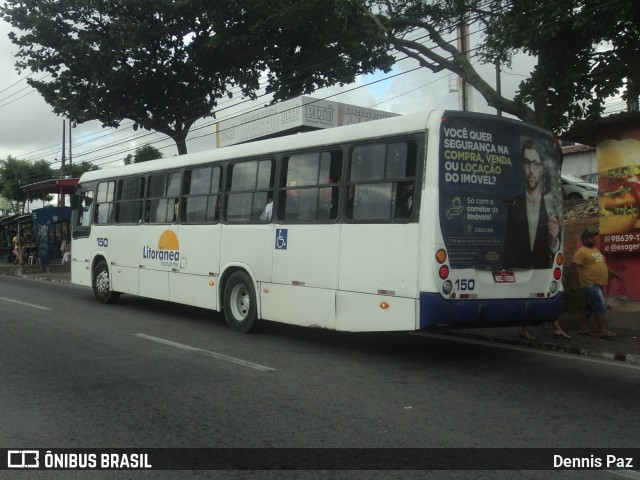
(580, 163)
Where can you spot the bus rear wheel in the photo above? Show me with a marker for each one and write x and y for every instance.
(240, 303)
(102, 284)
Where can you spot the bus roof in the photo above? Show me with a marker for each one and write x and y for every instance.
(416, 122)
(375, 129)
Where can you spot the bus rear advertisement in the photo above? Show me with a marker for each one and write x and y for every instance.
(433, 219)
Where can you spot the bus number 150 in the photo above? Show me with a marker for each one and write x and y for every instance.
(465, 284)
(103, 242)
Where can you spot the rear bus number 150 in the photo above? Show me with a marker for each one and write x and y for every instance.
(465, 284)
(103, 242)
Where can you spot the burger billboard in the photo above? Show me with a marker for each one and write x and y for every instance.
(619, 194)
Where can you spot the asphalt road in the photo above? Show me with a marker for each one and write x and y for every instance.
(148, 374)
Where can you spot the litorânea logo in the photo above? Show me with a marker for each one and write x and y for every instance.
(167, 253)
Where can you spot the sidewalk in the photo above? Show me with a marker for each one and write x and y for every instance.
(51, 273)
(625, 347)
(623, 318)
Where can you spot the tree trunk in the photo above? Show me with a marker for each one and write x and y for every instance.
(541, 98)
(181, 143)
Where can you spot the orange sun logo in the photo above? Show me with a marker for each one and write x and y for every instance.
(168, 241)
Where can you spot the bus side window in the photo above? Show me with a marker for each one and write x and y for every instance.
(201, 195)
(250, 185)
(104, 202)
(163, 197)
(381, 182)
(84, 210)
(129, 200)
(309, 187)
(403, 203)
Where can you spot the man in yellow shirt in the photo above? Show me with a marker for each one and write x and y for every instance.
(592, 273)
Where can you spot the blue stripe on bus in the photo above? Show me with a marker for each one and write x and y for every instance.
(435, 311)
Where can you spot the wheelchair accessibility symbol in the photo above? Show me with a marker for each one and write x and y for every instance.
(281, 238)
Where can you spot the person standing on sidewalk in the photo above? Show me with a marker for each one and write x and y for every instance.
(592, 274)
(17, 249)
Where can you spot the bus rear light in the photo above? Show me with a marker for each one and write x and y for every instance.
(443, 271)
(559, 259)
(384, 305)
(447, 287)
(441, 256)
(557, 273)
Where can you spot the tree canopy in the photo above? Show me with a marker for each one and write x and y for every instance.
(165, 65)
(586, 50)
(76, 169)
(16, 173)
(143, 154)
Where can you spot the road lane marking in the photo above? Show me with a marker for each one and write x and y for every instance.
(25, 304)
(488, 343)
(219, 356)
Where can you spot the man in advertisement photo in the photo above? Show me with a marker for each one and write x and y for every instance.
(532, 234)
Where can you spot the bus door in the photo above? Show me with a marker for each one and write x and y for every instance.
(81, 245)
(379, 244)
(306, 241)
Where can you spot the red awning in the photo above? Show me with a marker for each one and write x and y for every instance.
(59, 186)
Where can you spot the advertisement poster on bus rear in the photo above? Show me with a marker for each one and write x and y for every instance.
(500, 193)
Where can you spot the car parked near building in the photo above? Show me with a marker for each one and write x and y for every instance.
(591, 178)
(575, 188)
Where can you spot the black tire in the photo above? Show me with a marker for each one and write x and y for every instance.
(240, 303)
(574, 196)
(101, 284)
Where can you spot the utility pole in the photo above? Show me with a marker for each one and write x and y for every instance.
(61, 197)
(70, 161)
(64, 147)
(498, 85)
(463, 47)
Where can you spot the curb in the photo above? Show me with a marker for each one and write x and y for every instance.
(65, 281)
(629, 358)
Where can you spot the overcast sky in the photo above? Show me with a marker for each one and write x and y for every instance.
(30, 130)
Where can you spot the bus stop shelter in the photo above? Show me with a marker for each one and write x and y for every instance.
(55, 186)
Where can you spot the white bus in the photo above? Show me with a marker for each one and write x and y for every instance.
(397, 224)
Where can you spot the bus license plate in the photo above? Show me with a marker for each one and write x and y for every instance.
(504, 277)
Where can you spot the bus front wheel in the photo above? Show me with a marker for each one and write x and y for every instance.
(102, 284)
(240, 303)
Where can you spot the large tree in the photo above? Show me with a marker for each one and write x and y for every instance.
(143, 154)
(76, 169)
(16, 173)
(166, 64)
(586, 50)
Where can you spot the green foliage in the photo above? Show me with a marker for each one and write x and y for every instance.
(165, 65)
(143, 154)
(16, 173)
(77, 169)
(587, 50)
